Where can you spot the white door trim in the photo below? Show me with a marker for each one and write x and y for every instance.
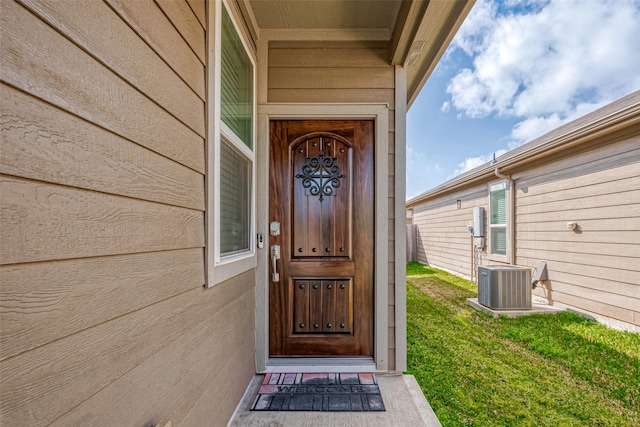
(290, 111)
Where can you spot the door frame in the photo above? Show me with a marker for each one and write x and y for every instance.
(379, 113)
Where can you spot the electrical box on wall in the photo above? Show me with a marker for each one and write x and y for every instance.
(478, 222)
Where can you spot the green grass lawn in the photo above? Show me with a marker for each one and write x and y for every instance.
(539, 370)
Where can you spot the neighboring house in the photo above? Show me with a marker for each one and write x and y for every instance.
(570, 198)
(154, 156)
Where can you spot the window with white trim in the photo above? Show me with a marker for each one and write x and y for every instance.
(232, 242)
(498, 218)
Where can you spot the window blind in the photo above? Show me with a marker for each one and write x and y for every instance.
(498, 207)
(498, 221)
(235, 207)
(236, 98)
(499, 240)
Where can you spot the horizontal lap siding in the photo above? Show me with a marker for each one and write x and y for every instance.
(58, 71)
(330, 74)
(597, 267)
(336, 72)
(442, 237)
(102, 161)
(103, 315)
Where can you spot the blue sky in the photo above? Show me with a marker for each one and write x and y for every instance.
(516, 70)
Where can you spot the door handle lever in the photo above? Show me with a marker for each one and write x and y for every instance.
(275, 256)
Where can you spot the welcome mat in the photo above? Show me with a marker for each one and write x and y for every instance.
(319, 392)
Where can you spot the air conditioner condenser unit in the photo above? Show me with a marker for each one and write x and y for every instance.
(504, 287)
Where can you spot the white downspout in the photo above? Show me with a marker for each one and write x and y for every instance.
(511, 220)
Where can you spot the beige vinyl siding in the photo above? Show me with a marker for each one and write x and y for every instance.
(103, 315)
(442, 237)
(335, 72)
(199, 9)
(330, 72)
(595, 269)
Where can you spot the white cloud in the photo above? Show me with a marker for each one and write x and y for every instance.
(546, 62)
(445, 107)
(535, 126)
(473, 162)
(480, 21)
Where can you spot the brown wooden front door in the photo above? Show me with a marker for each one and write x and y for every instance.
(321, 191)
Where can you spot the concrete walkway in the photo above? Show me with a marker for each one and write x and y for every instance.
(404, 402)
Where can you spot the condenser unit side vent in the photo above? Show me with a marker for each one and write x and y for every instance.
(503, 287)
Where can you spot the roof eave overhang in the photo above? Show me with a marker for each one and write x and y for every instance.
(423, 32)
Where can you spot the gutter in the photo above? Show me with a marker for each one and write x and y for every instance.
(511, 220)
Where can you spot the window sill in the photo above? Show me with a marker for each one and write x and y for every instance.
(229, 268)
(504, 259)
